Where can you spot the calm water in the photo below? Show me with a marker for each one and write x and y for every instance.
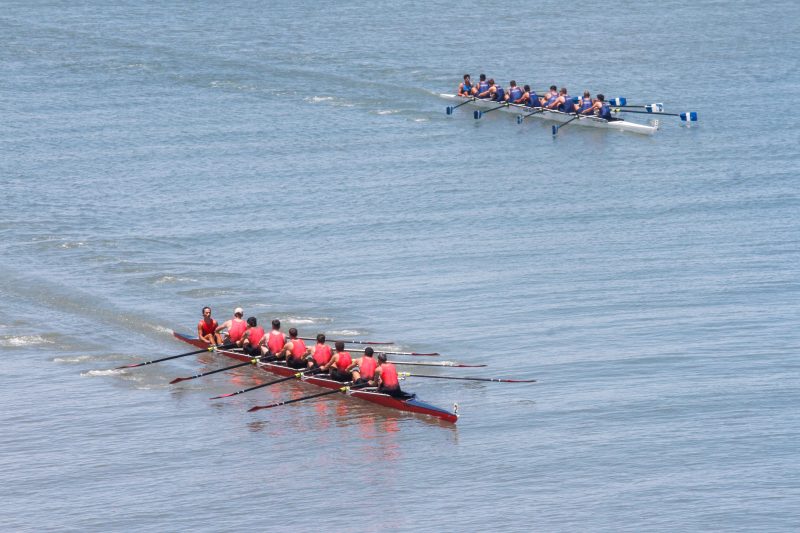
(297, 161)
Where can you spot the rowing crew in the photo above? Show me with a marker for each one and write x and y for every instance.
(554, 99)
(275, 347)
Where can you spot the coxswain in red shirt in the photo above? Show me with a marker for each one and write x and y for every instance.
(253, 340)
(207, 328)
(295, 351)
(235, 327)
(339, 364)
(365, 367)
(322, 353)
(386, 377)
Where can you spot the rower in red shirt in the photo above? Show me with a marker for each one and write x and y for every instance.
(339, 364)
(253, 339)
(295, 351)
(235, 327)
(322, 353)
(366, 367)
(386, 377)
(276, 340)
(207, 328)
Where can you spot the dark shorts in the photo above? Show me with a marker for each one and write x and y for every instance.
(252, 350)
(296, 363)
(338, 375)
(395, 392)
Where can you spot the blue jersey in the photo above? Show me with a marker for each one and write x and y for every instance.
(483, 87)
(533, 100)
(568, 106)
(586, 103)
(500, 94)
(515, 94)
(551, 99)
(605, 112)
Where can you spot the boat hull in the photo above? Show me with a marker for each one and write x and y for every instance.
(412, 405)
(554, 116)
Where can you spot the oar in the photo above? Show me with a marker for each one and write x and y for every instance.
(384, 343)
(520, 118)
(622, 102)
(428, 354)
(209, 349)
(452, 364)
(477, 114)
(689, 116)
(250, 362)
(297, 375)
(344, 389)
(557, 127)
(406, 374)
(449, 109)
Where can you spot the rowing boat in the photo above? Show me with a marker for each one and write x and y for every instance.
(411, 405)
(554, 116)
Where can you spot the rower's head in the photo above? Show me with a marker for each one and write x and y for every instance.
(563, 90)
(238, 312)
(491, 82)
(293, 333)
(368, 351)
(587, 94)
(482, 77)
(553, 88)
(321, 338)
(601, 97)
(527, 88)
(276, 324)
(381, 358)
(466, 77)
(206, 311)
(512, 83)
(252, 322)
(339, 346)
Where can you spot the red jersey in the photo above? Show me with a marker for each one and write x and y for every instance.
(298, 348)
(367, 367)
(322, 354)
(208, 328)
(237, 329)
(389, 376)
(276, 341)
(344, 361)
(255, 335)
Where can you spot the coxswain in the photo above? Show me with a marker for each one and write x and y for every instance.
(601, 109)
(386, 377)
(363, 368)
(515, 94)
(253, 339)
(482, 89)
(339, 364)
(275, 340)
(234, 328)
(550, 97)
(321, 354)
(585, 103)
(207, 328)
(294, 351)
(465, 88)
(496, 92)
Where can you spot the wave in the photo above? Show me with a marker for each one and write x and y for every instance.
(23, 340)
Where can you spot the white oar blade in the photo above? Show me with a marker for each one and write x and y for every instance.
(619, 101)
(654, 108)
(689, 116)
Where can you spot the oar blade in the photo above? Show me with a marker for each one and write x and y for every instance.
(619, 101)
(519, 119)
(555, 130)
(477, 114)
(177, 380)
(689, 116)
(654, 108)
(449, 110)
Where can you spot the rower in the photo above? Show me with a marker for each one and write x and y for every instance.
(339, 364)
(234, 328)
(363, 368)
(515, 94)
(585, 103)
(601, 109)
(498, 94)
(550, 97)
(386, 377)
(465, 88)
(482, 89)
(294, 350)
(563, 102)
(275, 340)
(207, 328)
(322, 353)
(530, 98)
(253, 339)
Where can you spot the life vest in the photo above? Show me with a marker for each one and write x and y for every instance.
(208, 328)
(276, 341)
(255, 335)
(343, 361)
(237, 329)
(322, 354)
(389, 376)
(367, 367)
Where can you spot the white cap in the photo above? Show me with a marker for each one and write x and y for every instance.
(238, 311)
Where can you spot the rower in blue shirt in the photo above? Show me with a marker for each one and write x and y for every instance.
(550, 97)
(600, 109)
(586, 102)
(498, 94)
(482, 89)
(465, 88)
(530, 98)
(515, 94)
